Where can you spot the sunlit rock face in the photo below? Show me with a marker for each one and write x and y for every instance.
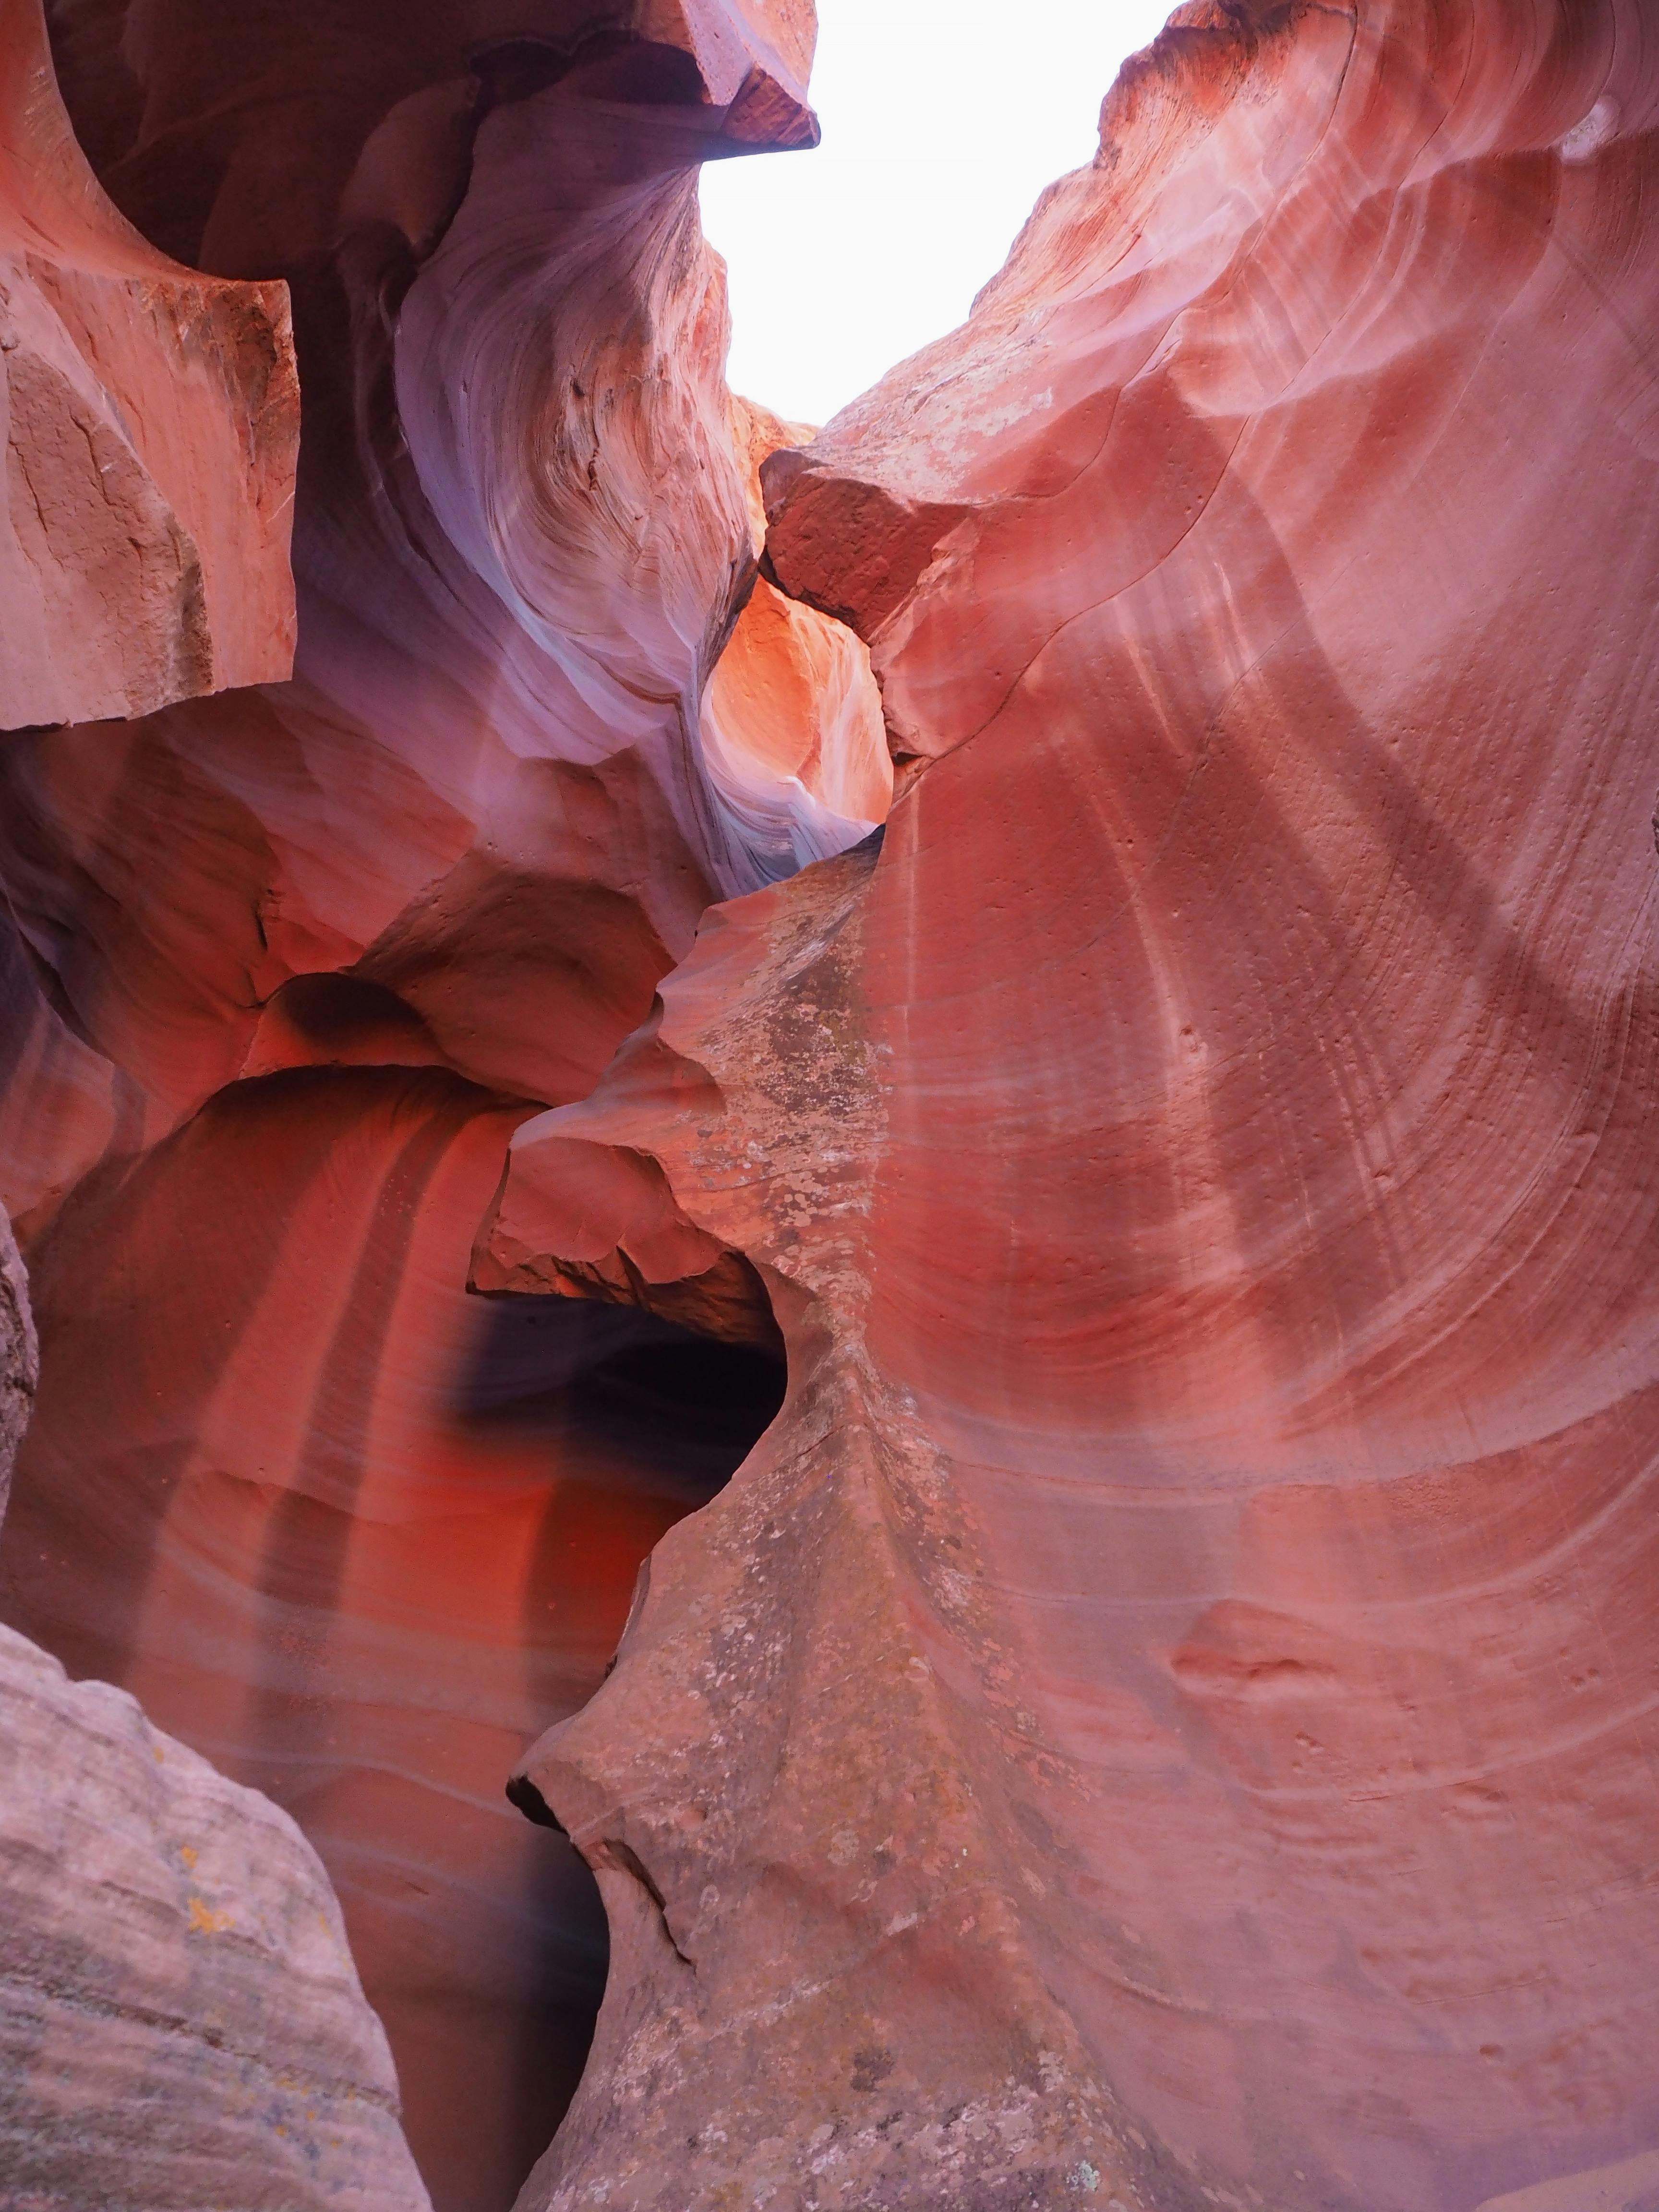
(180, 2021)
(282, 969)
(149, 419)
(1165, 1716)
(791, 727)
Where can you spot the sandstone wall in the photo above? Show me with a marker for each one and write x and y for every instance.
(1165, 1717)
(150, 416)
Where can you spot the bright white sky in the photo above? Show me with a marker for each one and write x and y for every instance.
(942, 120)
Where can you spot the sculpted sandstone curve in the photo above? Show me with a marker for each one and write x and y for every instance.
(526, 521)
(1164, 1715)
(791, 728)
(282, 969)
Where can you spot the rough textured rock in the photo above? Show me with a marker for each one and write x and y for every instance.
(20, 1357)
(1166, 1716)
(180, 2021)
(150, 418)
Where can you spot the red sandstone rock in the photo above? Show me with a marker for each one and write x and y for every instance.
(151, 419)
(361, 1535)
(1165, 1718)
(792, 725)
(484, 790)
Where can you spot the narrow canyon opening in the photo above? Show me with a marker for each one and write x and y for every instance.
(680, 1413)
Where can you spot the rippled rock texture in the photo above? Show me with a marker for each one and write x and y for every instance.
(1166, 1716)
(282, 970)
(150, 417)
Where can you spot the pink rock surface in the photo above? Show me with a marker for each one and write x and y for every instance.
(180, 2021)
(1166, 1716)
(20, 1358)
(150, 422)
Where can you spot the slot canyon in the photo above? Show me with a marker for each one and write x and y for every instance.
(830, 1349)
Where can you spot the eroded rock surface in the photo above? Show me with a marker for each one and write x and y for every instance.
(1165, 1717)
(20, 1358)
(150, 416)
(522, 529)
(792, 725)
(180, 2021)
(363, 1534)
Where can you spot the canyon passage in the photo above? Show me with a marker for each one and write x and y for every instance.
(831, 1378)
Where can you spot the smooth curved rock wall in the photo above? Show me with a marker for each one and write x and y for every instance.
(180, 2021)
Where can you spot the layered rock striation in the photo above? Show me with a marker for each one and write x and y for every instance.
(180, 2021)
(1165, 1716)
(1161, 1716)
